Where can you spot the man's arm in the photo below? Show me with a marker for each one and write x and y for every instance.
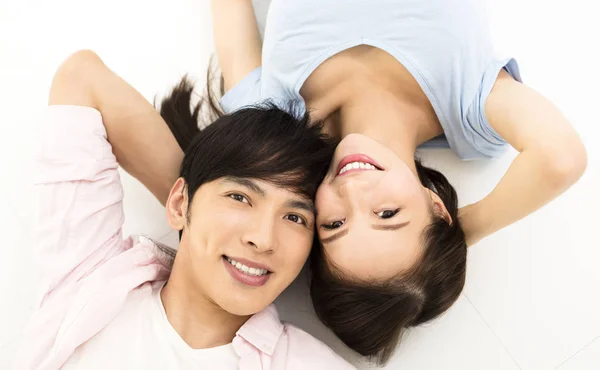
(141, 140)
(551, 158)
(94, 119)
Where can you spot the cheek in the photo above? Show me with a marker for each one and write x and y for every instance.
(320, 196)
(293, 251)
(294, 248)
(402, 185)
(217, 229)
(324, 198)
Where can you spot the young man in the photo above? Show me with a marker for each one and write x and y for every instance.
(243, 205)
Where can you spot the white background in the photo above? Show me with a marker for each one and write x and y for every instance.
(532, 298)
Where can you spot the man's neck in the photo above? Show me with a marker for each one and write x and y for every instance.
(200, 322)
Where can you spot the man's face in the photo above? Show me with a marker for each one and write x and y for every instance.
(245, 241)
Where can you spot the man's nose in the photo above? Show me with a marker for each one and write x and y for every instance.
(261, 235)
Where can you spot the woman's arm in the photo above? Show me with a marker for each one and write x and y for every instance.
(141, 140)
(551, 158)
(237, 39)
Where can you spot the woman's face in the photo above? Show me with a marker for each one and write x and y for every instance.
(371, 210)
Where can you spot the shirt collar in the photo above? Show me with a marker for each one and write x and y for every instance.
(263, 330)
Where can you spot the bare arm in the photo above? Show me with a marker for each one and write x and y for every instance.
(551, 158)
(141, 140)
(237, 39)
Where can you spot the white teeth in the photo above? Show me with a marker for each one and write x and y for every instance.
(357, 165)
(248, 270)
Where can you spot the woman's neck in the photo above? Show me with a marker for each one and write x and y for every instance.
(200, 322)
(396, 124)
(365, 90)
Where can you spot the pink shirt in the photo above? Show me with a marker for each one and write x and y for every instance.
(88, 269)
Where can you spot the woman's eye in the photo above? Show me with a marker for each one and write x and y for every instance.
(333, 225)
(297, 219)
(239, 198)
(388, 213)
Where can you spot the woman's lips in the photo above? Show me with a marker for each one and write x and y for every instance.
(356, 158)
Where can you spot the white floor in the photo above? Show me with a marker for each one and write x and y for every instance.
(532, 299)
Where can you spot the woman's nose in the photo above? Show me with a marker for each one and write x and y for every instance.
(355, 191)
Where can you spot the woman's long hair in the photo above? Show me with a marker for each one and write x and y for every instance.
(371, 317)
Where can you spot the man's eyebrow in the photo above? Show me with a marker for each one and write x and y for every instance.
(251, 185)
(248, 184)
(334, 237)
(301, 204)
(390, 227)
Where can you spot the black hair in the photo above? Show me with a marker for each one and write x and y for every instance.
(261, 142)
(371, 318)
(268, 143)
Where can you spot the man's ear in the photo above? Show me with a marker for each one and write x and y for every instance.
(177, 205)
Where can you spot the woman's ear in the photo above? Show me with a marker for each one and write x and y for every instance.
(177, 205)
(439, 209)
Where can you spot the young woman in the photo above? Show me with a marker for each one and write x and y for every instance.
(387, 77)
(243, 205)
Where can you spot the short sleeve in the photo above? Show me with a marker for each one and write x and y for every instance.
(484, 138)
(246, 92)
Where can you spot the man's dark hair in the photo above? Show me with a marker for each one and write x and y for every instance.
(262, 142)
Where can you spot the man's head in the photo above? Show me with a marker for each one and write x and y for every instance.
(244, 204)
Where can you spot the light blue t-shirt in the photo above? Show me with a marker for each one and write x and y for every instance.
(444, 44)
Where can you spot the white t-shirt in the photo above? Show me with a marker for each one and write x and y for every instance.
(141, 337)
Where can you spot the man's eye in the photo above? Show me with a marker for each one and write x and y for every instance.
(333, 225)
(239, 198)
(388, 213)
(297, 219)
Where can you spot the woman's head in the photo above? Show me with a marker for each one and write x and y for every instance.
(243, 202)
(392, 252)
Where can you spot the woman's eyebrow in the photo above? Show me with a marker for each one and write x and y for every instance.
(390, 227)
(342, 233)
(334, 237)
